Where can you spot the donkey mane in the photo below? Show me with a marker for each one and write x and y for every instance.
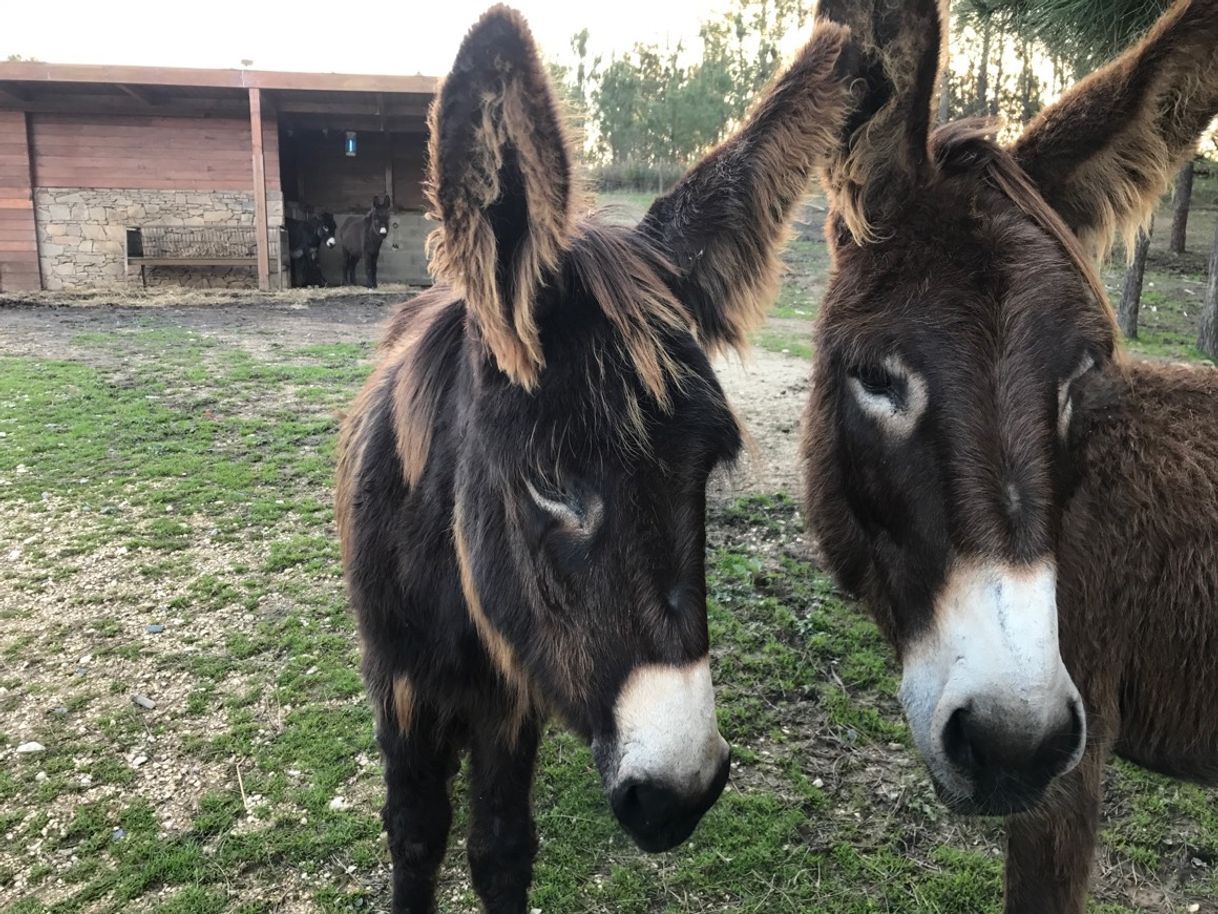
(969, 145)
(614, 265)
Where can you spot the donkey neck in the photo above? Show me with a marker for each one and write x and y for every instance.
(1149, 490)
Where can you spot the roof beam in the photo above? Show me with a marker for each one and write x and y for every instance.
(366, 108)
(24, 71)
(114, 104)
(140, 95)
(339, 121)
(10, 94)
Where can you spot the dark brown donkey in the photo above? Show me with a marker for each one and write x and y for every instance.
(1031, 517)
(521, 491)
(361, 239)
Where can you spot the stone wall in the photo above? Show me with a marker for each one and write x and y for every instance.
(82, 234)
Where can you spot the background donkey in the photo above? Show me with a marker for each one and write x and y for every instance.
(983, 465)
(521, 490)
(305, 239)
(361, 239)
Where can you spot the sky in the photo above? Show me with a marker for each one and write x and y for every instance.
(372, 36)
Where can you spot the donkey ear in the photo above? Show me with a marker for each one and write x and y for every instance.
(884, 151)
(724, 223)
(501, 186)
(1106, 151)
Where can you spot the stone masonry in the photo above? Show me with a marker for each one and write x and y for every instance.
(82, 234)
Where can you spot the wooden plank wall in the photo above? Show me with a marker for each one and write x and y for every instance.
(18, 238)
(323, 176)
(155, 153)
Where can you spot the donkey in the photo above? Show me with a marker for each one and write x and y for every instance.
(1031, 517)
(521, 484)
(305, 239)
(361, 239)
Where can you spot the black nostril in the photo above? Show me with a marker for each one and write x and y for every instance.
(958, 741)
(644, 806)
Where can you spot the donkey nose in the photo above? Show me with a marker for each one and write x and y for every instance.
(659, 817)
(1009, 766)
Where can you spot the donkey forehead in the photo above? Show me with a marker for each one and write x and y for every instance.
(972, 290)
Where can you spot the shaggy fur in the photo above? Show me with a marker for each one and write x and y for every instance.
(982, 278)
(567, 356)
(498, 122)
(725, 222)
(885, 148)
(1107, 151)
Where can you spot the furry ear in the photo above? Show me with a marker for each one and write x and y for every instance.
(1103, 154)
(884, 151)
(726, 220)
(500, 184)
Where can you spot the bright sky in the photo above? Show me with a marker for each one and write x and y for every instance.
(366, 36)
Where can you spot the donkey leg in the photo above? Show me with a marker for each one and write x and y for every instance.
(1050, 851)
(371, 269)
(502, 840)
(417, 813)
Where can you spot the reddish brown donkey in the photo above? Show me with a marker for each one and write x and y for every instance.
(522, 482)
(1031, 517)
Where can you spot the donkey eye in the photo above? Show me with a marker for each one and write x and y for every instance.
(876, 380)
(891, 393)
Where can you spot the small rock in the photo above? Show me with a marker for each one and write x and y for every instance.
(154, 628)
(40, 776)
(117, 834)
(84, 660)
(340, 803)
(30, 747)
(60, 710)
(1194, 908)
(138, 760)
(818, 783)
(15, 555)
(143, 701)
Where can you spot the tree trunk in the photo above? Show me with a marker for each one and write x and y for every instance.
(945, 80)
(1207, 339)
(996, 94)
(1179, 219)
(1131, 291)
(983, 75)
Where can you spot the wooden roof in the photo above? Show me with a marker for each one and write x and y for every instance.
(306, 100)
(24, 72)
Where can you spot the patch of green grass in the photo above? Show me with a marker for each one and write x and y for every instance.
(785, 342)
(192, 443)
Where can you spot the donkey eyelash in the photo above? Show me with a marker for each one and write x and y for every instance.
(1065, 402)
(570, 513)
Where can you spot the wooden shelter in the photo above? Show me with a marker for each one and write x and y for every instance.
(90, 156)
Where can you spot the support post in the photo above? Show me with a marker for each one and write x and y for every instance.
(260, 218)
(389, 165)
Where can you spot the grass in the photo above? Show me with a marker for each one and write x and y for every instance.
(173, 476)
